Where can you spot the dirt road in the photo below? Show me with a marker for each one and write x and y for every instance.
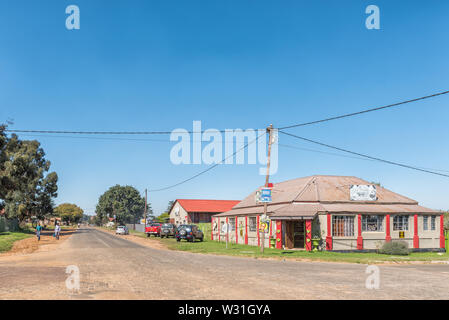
(115, 268)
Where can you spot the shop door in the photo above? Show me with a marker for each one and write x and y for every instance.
(299, 234)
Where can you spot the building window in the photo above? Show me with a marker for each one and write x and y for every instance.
(425, 223)
(252, 224)
(400, 223)
(432, 222)
(343, 226)
(372, 223)
(232, 223)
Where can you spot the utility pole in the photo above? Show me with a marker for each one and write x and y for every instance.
(267, 178)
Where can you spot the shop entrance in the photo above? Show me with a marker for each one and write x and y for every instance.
(295, 234)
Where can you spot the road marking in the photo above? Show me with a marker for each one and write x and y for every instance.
(106, 244)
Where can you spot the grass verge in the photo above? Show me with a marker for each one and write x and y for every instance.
(215, 247)
(219, 248)
(7, 239)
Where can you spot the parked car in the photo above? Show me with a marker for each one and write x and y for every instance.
(168, 230)
(153, 229)
(189, 232)
(122, 230)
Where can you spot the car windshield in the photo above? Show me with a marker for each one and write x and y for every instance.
(121, 227)
(185, 226)
(155, 224)
(167, 225)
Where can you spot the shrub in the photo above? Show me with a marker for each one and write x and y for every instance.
(396, 248)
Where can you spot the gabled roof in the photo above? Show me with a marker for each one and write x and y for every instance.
(323, 189)
(201, 205)
(309, 195)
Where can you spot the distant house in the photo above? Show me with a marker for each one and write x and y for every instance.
(184, 211)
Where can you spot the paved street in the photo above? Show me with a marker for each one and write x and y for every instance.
(114, 268)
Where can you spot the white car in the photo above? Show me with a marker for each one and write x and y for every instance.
(122, 230)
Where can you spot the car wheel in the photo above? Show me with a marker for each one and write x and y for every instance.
(148, 235)
(201, 239)
(193, 239)
(178, 240)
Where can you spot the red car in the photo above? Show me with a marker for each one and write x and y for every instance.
(153, 229)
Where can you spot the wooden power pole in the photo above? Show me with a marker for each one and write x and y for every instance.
(267, 179)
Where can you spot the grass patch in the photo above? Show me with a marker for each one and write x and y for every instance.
(7, 239)
(219, 248)
(215, 247)
(138, 233)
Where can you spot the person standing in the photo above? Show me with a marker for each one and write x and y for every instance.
(38, 232)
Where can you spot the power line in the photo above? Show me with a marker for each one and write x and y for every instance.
(365, 111)
(366, 156)
(345, 156)
(210, 168)
(114, 138)
(113, 132)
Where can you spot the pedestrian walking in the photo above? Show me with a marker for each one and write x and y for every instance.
(57, 231)
(38, 232)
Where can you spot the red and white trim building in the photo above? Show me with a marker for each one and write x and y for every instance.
(322, 207)
(186, 211)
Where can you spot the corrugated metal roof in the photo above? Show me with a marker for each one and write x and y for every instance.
(201, 205)
(310, 195)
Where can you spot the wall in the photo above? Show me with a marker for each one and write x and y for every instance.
(137, 227)
(241, 231)
(178, 215)
(8, 225)
(373, 240)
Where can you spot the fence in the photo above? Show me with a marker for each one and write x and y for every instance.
(136, 227)
(8, 225)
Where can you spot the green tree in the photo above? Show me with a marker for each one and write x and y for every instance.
(26, 190)
(124, 202)
(170, 204)
(163, 217)
(69, 212)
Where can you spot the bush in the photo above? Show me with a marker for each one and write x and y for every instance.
(395, 248)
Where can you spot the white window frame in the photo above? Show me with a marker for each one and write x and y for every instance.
(399, 225)
(379, 226)
(425, 223)
(232, 223)
(250, 225)
(433, 223)
(348, 225)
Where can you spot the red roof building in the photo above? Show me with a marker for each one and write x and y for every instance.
(184, 211)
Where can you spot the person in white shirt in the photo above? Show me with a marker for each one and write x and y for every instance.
(57, 231)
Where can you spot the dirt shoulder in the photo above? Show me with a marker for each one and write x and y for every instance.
(30, 245)
(240, 251)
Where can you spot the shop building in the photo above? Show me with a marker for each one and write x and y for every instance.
(345, 213)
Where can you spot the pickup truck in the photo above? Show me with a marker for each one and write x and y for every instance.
(153, 229)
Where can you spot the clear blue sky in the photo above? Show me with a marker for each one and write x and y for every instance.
(159, 65)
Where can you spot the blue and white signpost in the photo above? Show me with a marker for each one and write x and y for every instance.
(265, 195)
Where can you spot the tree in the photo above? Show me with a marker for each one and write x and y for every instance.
(69, 212)
(25, 188)
(163, 217)
(170, 204)
(124, 202)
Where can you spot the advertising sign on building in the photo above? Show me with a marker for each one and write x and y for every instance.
(264, 224)
(359, 192)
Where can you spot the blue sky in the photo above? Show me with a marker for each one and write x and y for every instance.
(159, 65)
